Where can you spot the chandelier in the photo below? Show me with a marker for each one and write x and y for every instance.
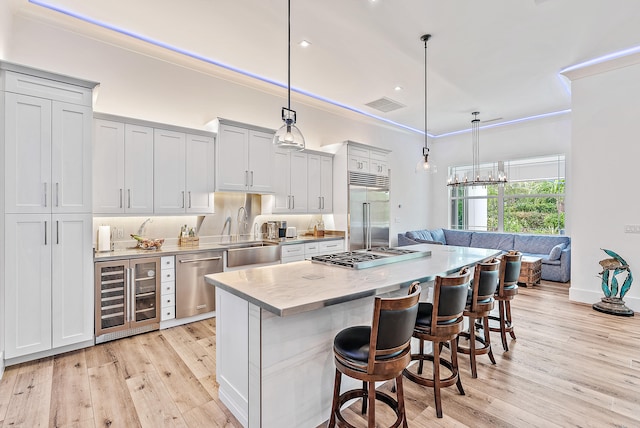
(477, 177)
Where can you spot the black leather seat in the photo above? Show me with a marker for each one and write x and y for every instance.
(440, 322)
(480, 302)
(375, 353)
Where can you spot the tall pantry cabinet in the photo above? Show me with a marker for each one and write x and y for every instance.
(46, 244)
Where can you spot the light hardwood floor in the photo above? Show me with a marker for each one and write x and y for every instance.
(570, 366)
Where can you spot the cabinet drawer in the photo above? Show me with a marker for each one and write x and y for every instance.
(311, 248)
(168, 301)
(168, 313)
(168, 287)
(292, 250)
(167, 275)
(167, 262)
(335, 246)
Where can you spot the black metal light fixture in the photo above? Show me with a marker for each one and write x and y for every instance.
(289, 136)
(424, 164)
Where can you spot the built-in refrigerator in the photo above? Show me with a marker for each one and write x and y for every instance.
(369, 215)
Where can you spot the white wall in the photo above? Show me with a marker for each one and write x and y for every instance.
(606, 155)
(6, 19)
(551, 135)
(139, 86)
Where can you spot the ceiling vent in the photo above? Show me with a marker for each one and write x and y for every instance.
(385, 105)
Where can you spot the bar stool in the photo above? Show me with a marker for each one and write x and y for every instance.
(374, 354)
(440, 322)
(480, 302)
(507, 290)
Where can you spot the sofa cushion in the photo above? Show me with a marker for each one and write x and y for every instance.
(438, 235)
(403, 240)
(493, 240)
(556, 252)
(461, 238)
(538, 244)
(424, 235)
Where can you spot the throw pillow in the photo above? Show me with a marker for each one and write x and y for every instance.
(555, 252)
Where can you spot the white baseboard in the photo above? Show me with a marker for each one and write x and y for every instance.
(1, 364)
(591, 297)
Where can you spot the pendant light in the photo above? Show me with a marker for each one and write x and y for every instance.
(423, 164)
(289, 136)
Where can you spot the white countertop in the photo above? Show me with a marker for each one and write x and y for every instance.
(293, 288)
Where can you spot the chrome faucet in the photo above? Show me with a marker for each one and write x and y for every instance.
(227, 222)
(242, 220)
(143, 226)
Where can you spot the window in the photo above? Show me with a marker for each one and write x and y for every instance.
(532, 201)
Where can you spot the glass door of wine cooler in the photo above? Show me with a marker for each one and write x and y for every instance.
(145, 288)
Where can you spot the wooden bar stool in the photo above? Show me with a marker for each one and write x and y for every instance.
(440, 322)
(374, 354)
(480, 302)
(507, 290)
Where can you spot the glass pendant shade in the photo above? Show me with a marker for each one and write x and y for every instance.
(289, 137)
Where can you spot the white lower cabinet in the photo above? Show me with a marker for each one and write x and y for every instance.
(297, 252)
(291, 253)
(330, 246)
(48, 282)
(168, 288)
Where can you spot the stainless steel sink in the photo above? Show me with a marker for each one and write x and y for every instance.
(252, 253)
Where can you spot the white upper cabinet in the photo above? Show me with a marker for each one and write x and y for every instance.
(169, 179)
(369, 160)
(320, 183)
(244, 159)
(290, 183)
(122, 168)
(47, 155)
(200, 154)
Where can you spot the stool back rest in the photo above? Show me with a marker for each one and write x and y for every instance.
(509, 271)
(392, 326)
(485, 282)
(450, 298)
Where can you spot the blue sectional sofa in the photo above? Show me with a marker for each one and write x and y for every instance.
(554, 250)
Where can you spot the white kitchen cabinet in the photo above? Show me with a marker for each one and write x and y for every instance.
(330, 246)
(183, 173)
(291, 253)
(378, 162)
(368, 160)
(122, 168)
(47, 147)
(244, 159)
(358, 159)
(49, 297)
(290, 183)
(320, 183)
(168, 288)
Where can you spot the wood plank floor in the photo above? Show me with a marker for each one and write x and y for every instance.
(570, 366)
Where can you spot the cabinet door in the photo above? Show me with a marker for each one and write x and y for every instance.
(282, 197)
(379, 163)
(138, 169)
(232, 170)
(27, 280)
(298, 182)
(326, 183)
(358, 164)
(261, 156)
(314, 196)
(200, 174)
(108, 167)
(145, 291)
(27, 154)
(112, 296)
(72, 279)
(71, 158)
(169, 195)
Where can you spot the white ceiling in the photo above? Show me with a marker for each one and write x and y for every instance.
(500, 57)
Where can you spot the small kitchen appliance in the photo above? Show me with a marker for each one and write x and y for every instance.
(292, 232)
(272, 230)
(282, 229)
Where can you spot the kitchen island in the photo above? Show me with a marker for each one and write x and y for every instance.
(275, 327)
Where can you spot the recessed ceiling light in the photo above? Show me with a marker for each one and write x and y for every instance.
(304, 43)
(398, 88)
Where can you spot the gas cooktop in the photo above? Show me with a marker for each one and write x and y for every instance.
(362, 259)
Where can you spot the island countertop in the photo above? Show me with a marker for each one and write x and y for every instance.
(298, 287)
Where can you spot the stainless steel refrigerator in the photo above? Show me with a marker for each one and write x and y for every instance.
(368, 211)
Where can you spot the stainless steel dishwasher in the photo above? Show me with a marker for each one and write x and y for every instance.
(193, 295)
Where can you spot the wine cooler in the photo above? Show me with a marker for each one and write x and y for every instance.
(127, 297)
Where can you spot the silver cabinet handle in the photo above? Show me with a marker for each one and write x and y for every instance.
(57, 194)
(189, 198)
(320, 202)
(251, 178)
(127, 295)
(57, 232)
(293, 202)
(206, 259)
(132, 289)
(246, 178)
(128, 198)
(183, 199)
(120, 198)
(45, 233)
(45, 195)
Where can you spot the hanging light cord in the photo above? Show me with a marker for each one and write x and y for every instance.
(426, 143)
(289, 57)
